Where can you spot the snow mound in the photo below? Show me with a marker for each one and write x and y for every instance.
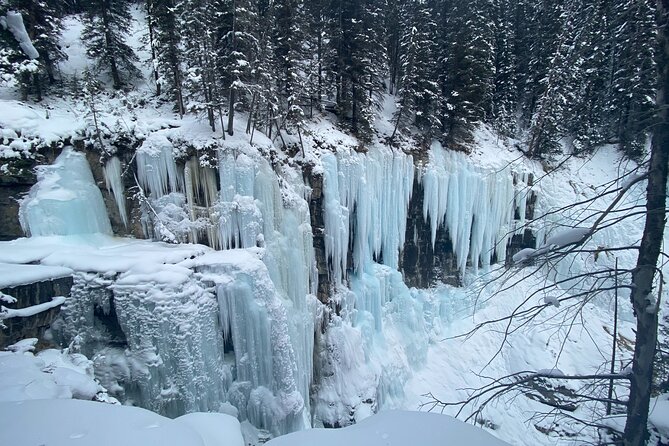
(395, 428)
(87, 423)
(51, 374)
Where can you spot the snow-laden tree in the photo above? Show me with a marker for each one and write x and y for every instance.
(106, 27)
(469, 66)
(630, 105)
(418, 80)
(43, 22)
(166, 50)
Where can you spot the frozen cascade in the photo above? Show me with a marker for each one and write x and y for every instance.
(368, 194)
(476, 206)
(159, 343)
(269, 388)
(201, 194)
(254, 211)
(112, 170)
(156, 169)
(65, 200)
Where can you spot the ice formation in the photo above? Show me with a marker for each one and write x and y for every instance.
(476, 206)
(65, 200)
(112, 170)
(366, 196)
(14, 22)
(181, 330)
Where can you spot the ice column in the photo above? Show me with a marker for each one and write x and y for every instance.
(112, 171)
(65, 200)
(369, 195)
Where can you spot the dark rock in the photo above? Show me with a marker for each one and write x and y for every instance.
(422, 265)
(28, 295)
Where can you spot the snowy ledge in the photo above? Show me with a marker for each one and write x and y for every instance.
(12, 275)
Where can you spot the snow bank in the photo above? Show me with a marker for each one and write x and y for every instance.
(395, 428)
(12, 275)
(86, 423)
(47, 375)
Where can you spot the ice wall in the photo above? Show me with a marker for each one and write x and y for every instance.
(266, 314)
(366, 196)
(65, 200)
(475, 205)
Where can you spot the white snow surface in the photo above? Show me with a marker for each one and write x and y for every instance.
(395, 428)
(74, 422)
(12, 275)
(47, 375)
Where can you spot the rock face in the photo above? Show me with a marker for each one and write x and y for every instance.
(28, 295)
(318, 229)
(13, 185)
(421, 264)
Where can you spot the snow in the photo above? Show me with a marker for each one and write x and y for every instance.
(567, 237)
(394, 428)
(215, 429)
(12, 275)
(659, 414)
(14, 22)
(47, 375)
(66, 422)
(8, 313)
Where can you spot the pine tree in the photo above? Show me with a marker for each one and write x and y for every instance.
(631, 103)
(358, 68)
(43, 22)
(106, 25)
(419, 88)
(505, 95)
(469, 65)
(167, 54)
(201, 81)
(288, 48)
(558, 86)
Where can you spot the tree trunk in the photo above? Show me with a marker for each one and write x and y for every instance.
(644, 304)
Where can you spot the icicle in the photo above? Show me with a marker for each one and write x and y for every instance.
(112, 171)
(156, 169)
(475, 206)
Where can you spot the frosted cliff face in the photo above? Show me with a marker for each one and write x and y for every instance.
(200, 330)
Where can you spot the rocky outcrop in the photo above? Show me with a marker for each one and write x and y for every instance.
(421, 264)
(27, 295)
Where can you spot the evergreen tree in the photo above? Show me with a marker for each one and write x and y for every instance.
(43, 22)
(201, 81)
(469, 65)
(288, 49)
(557, 88)
(631, 102)
(419, 88)
(106, 25)
(167, 53)
(359, 69)
(504, 100)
